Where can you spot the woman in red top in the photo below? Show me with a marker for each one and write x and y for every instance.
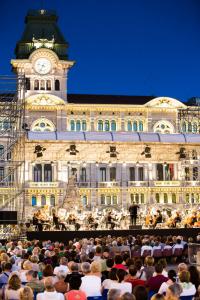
(74, 292)
(131, 277)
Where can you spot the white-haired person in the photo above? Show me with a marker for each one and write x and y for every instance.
(50, 292)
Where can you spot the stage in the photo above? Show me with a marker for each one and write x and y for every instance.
(64, 236)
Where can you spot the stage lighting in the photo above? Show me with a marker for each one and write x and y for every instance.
(147, 152)
(39, 150)
(113, 152)
(72, 150)
(182, 153)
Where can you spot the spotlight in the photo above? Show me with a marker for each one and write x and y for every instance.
(72, 150)
(147, 152)
(182, 153)
(39, 150)
(113, 152)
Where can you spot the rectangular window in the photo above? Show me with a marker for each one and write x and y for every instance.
(159, 172)
(140, 173)
(102, 174)
(108, 200)
(113, 174)
(103, 202)
(83, 175)
(114, 200)
(47, 173)
(132, 174)
(168, 172)
(37, 173)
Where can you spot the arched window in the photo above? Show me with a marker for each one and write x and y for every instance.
(157, 198)
(84, 200)
(52, 200)
(84, 125)
(173, 198)
(48, 85)
(140, 126)
(103, 199)
(137, 198)
(100, 125)
(72, 125)
(194, 129)
(37, 173)
(48, 173)
(129, 126)
(134, 126)
(113, 125)
(28, 84)
(189, 127)
(1, 150)
(78, 125)
(163, 126)
(184, 127)
(165, 198)
(33, 200)
(42, 85)
(36, 85)
(107, 125)
(42, 125)
(114, 199)
(187, 198)
(43, 200)
(57, 85)
(142, 198)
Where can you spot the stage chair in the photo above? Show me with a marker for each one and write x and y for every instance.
(150, 294)
(104, 294)
(136, 253)
(157, 253)
(177, 252)
(167, 253)
(146, 253)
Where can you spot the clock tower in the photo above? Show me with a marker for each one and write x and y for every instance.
(41, 56)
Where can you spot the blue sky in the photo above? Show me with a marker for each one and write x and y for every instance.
(121, 47)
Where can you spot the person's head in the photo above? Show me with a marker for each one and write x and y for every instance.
(121, 274)
(184, 276)
(140, 292)
(14, 282)
(26, 293)
(172, 275)
(7, 267)
(85, 267)
(182, 267)
(158, 297)
(132, 270)
(61, 275)
(174, 290)
(48, 284)
(113, 294)
(127, 296)
(63, 261)
(163, 262)
(98, 250)
(194, 275)
(149, 261)
(74, 282)
(48, 271)
(109, 262)
(34, 259)
(31, 275)
(95, 267)
(118, 259)
(27, 265)
(158, 268)
(74, 267)
(113, 274)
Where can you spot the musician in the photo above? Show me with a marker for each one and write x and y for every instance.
(133, 213)
(55, 220)
(157, 218)
(177, 219)
(110, 221)
(92, 222)
(37, 221)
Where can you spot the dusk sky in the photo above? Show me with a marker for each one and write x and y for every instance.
(121, 47)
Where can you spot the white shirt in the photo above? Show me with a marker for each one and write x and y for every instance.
(146, 247)
(91, 285)
(50, 296)
(61, 268)
(163, 288)
(124, 287)
(188, 289)
(164, 273)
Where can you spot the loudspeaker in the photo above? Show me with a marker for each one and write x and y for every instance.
(138, 227)
(8, 217)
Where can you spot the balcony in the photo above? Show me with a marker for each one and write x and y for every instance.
(138, 183)
(32, 184)
(190, 183)
(108, 184)
(83, 184)
(166, 183)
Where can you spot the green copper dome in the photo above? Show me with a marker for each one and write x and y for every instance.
(41, 30)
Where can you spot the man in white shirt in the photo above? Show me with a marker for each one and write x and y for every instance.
(50, 292)
(91, 284)
(145, 247)
(178, 245)
(62, 267)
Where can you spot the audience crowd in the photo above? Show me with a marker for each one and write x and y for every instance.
(101, 268)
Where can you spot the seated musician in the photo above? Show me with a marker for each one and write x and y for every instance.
(177, 219)
(55, 220)
(157, 218)
(92, 222)
(110, 221)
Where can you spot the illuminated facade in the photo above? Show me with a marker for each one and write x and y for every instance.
(119, 149)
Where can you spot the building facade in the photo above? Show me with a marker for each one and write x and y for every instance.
(118, 149)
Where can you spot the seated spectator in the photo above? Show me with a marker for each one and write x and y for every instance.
(109, 266)
(178, 245)
(127, 296)
(118, 262)
(74, 272)
(61, 285)
(182, 267)
(157, 246)
(163, 262)
(122, 285)
(5, 274)
(98, 253)
(34, 259)
(26, 266)
(26, 293)
(140, 270)
(132, 278)
(140, 292)
(114, 294)
(112, 281)
(149, 267)
(33, 281)
(74, 292)
(62, 266)
(170, 281)
(188, 288)
(145, 247)
(12, 289)
(155, 282)
(158, 297)
(91, 284)
(194, 277)
(50, 292)
(173, 292)
(48, 272)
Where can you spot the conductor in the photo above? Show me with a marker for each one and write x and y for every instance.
(133, 213)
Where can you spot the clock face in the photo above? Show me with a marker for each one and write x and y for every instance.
(42, 66)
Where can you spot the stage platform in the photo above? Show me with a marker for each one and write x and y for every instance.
(64, 236)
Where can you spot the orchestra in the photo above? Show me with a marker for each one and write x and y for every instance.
(108, 218)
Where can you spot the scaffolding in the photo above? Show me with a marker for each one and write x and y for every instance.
(12, 146)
